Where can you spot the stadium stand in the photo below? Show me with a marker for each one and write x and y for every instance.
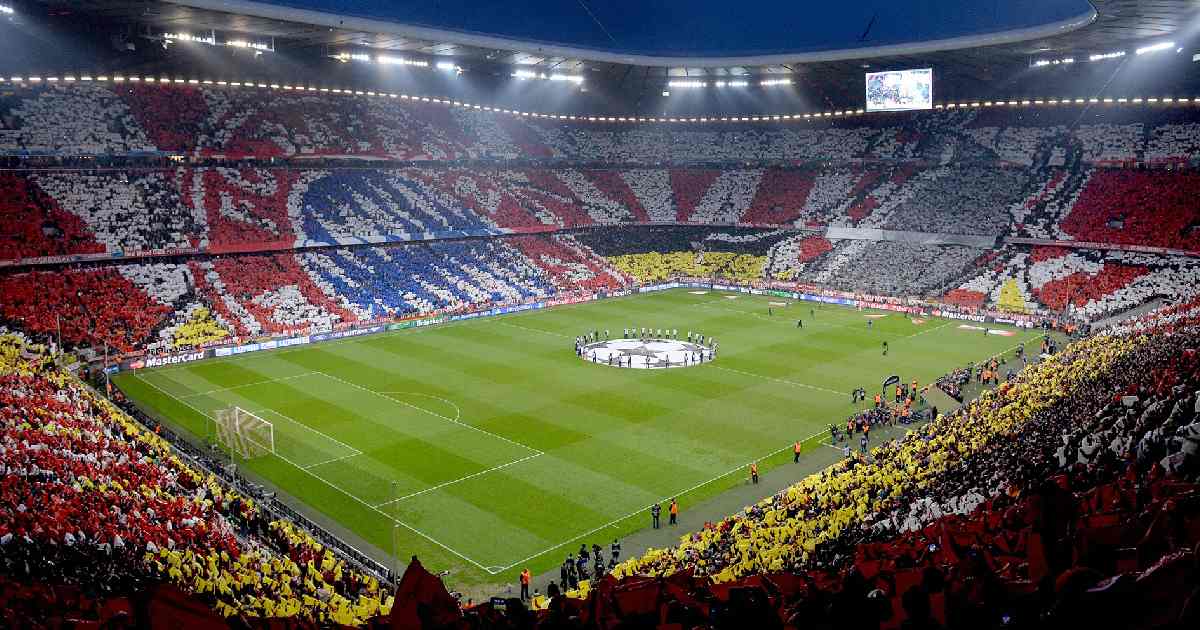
(32, 224)
(1137, 208)
(92, 498)
(1091, 472)
(1066, 495)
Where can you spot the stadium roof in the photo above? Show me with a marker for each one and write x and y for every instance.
(623, 47)
(662, 38)
(706, 33)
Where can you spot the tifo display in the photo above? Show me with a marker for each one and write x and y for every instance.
(285, 357)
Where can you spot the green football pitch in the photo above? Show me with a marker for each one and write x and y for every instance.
(485, 446)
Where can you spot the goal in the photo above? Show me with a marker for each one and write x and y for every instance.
(244, 433)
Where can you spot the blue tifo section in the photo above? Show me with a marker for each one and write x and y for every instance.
(385, 205)
(404, 279)
(711, 27)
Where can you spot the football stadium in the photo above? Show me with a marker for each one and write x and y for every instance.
(599, 315)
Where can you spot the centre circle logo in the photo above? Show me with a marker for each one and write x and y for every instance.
(648, 354)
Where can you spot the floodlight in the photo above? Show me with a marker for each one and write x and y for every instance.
(1154, 48)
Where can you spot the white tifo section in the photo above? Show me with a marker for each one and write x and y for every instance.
(730, 194)
(126, 211)
(76, 120)
(652, 187)
(601, 208)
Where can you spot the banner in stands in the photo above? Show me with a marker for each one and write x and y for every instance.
(810, 297)
(841, 299)
(961, 316)
(166, 359)
(886, 306)
(1102, 246)
(659, 287)
(117, 255)
(416, 323)
(904, 236)
(343, 334)
(573, 299)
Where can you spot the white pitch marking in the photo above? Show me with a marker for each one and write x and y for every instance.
(337, 487)
(779, 380)
(226, 389)
(330, 461)
(643, 509)
(928, 330)
(434, 414)
(457, 410)
(535, 330)
(460, 479)
(320, 433)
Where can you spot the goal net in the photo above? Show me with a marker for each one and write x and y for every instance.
(244, 433)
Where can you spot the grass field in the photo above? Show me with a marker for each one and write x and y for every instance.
(488, 446)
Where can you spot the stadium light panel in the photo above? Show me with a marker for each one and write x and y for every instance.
(774, 82)
(1111, 55)
(7, 10)
(687, 84)
(388, 60)
(1154, 48)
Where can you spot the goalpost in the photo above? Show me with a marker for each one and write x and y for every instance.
(244, 433)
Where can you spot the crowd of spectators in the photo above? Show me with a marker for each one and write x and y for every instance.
(92, 500)
(1043, 478)
(1087, 284)
(94, 119)
(33, 224)
(224, 209)
(126, 211)
(966, 200)
(1156, 208)
(890, 268)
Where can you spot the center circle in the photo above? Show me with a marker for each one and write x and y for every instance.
(646, 354)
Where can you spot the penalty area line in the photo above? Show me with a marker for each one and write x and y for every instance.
(460, 479)
(325, 481)
(426, 411)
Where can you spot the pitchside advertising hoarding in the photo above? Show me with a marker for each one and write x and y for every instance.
(900, 90)
(273, 344)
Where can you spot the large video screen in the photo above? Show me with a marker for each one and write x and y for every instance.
(900, 90)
